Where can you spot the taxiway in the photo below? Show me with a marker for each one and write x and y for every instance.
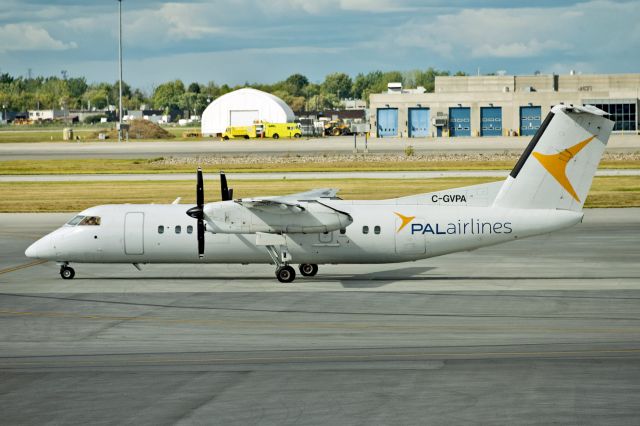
(538, 331)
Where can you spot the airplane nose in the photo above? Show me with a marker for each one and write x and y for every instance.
(32, 250)
(41, 249)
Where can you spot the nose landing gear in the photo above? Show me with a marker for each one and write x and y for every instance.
(67, 272)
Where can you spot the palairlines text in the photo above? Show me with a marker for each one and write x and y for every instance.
(473, 227)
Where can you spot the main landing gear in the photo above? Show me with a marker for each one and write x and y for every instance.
(308, 269)
(286, 274)
(67, 272)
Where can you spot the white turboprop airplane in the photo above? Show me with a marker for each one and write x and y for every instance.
(545, 192)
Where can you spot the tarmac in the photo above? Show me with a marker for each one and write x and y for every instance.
(286, 175)
(346, 144)
(539, 331)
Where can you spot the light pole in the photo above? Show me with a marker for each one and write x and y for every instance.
(120, 64)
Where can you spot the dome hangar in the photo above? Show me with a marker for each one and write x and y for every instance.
(243, 107)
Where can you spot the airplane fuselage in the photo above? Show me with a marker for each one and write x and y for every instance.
(385, 231)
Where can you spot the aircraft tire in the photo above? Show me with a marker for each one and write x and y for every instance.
(285, 274)
(308, 269)
(67, 273)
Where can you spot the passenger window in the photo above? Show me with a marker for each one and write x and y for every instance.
(90, 221)
(376, 230)
(178, 229)
(189, 229)
(365, 229)
(160, 229)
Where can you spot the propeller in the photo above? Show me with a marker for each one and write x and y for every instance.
(227, 193)
(197, 212)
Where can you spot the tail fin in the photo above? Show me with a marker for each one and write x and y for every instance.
(557, 168)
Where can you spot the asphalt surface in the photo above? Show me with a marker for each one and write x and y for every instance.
(286, 175)
(68, 150)
(539, 331)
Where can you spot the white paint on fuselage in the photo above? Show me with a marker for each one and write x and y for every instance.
(436, 230)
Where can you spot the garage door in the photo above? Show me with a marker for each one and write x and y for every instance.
(418, 122)
(243, 118)
(460, 121)
(529, 120)
(387, 122)
(491, 121)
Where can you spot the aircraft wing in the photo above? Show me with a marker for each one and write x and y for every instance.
(286, 203)
(271, 205)
(313, 194)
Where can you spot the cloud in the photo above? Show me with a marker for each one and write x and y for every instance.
(21, 37)
(527, 49)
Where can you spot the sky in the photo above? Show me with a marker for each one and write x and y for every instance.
(237, 41)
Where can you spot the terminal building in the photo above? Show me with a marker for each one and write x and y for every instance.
(499, 105)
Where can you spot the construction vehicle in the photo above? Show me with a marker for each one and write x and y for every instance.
(336, 128)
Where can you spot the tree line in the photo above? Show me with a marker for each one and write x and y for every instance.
(21, 94)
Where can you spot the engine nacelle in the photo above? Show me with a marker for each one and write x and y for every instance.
(308, 217)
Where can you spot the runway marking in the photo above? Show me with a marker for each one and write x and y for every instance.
(319, 325)
(23, 266)
(324, 358)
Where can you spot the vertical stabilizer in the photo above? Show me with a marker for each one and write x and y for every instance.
(557, 168)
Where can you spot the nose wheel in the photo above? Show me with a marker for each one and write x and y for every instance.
(285, 274)
(67, 272)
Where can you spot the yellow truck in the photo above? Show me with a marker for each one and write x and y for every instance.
(240, 132)
(263, 130)
(281, 130)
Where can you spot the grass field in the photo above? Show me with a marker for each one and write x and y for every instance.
(75, 196)
(111, 166)
(85, 133)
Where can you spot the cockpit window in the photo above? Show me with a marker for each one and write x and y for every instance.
(90, 221)
(75, 220)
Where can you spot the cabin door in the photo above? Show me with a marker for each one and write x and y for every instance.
(134, 233)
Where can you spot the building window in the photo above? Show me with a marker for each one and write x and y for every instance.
(376, 230)
(160, 229)
(365, 229)
(623, 113)
(178, 229)
(189, 229)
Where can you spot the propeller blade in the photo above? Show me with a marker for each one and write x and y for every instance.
(200, 238)
(197, 212)
(224, 188)
(200, 190)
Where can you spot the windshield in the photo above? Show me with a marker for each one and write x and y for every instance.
(76, 220)
(90, 220)
(84, 221)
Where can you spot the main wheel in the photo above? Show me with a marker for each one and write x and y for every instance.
(67, 273)
(276, 136)
(285, 274)
(308, 269)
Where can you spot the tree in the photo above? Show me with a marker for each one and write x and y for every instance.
(194, 88)
(295, 84)
(167, 96)
(338, 84)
